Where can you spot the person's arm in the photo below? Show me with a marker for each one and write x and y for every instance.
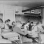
(41, 30)
(2, 27)
(29, 32)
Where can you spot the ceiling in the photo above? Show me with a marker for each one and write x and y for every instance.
(24, 3)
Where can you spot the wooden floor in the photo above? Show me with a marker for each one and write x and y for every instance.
(30, 43)
(26, 43)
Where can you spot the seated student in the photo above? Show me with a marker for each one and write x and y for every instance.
(18, 24)
(8, 27)
(29, 29)
(1, 28)
(41, 32)
(13, 24)
(30, 26)
(10, 35)
(40, 26)
(18, 30)
(32, 33)
(36, 32)
(25, 26)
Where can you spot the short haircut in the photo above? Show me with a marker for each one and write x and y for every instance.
(1, 20)
(32, 22)
(28, 21)
(13, 22)
(7, 20)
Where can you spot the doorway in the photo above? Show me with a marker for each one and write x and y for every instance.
(1, 16)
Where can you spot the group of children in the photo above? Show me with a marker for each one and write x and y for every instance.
(9, 30)
(34, 31)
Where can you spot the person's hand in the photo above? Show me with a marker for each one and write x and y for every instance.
(29, 32)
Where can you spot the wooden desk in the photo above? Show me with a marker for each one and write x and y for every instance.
(18, 30)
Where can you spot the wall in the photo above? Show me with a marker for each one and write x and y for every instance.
(8, 11)
(25, 19)
(1, 15)
(42, 15)
(21, 18)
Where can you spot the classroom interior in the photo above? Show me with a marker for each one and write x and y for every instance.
(19, 14)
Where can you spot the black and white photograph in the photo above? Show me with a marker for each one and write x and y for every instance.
(22, 21)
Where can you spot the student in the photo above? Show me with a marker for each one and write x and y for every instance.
(1, 25)
(41, 32)
(1, 28)
(30, 26)
(10, 35)
(8, 24)
(18, 24)
(26, 26)
(13, 24)
(32, 33)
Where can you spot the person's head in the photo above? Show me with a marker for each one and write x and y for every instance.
(13, 23)
(7, 21)
(23, 24)
(31, 23)
(1, 21)
(37, 23)
(28, 21)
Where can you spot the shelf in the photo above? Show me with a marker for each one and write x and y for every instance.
(28, 14)
(31, 14)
